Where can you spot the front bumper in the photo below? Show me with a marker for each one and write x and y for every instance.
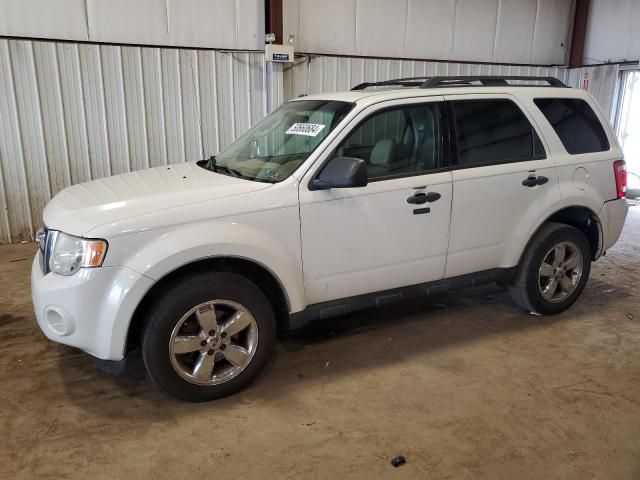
(612, 217)
(90, 310)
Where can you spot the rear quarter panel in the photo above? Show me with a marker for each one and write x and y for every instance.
(599, 186)
(585, 180)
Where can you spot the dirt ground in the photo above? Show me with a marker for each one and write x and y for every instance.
(465, 386)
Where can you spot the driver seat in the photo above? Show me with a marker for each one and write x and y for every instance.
(382, 157)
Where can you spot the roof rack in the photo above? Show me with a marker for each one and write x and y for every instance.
(402, 82)
(457, 81)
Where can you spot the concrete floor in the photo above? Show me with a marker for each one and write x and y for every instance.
(465, 386)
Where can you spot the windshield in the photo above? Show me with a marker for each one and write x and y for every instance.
(278, 144)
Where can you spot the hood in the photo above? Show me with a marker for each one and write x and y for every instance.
(83, 207)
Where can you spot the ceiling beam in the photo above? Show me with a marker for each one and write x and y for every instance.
(579, 34)
(273, 18)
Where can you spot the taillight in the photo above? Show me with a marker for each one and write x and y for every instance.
(620, 172)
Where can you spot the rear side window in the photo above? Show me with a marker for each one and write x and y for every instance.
(575, 123)
(493, 131)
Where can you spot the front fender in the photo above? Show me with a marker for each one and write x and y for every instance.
(271, 241)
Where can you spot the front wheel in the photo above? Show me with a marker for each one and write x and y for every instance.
(208, 336)
(553, 271)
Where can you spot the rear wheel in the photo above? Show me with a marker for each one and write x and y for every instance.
(553, 271)
(208, 336)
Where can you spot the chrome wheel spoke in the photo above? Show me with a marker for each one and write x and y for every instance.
(572, 262)
(566, 284)
(203, 369)
(186, 344)
(546, 270)
(207, 319)
(558, 254)
(238, 322)
(550, 289)
(236, 355)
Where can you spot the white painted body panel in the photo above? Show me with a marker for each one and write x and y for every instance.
(101, 205)
(490, 208)
(262, 225)
(270, 238)
(99, 302)
(362, 240)
(320, 245)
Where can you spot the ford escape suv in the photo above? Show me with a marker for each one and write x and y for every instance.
(330, 204)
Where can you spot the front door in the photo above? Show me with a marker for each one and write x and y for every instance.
(393, 232)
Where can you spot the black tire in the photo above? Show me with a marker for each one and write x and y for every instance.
(177, 299)
(525, 289)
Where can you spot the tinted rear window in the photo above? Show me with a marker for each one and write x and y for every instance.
(493, 131)
(575, 123)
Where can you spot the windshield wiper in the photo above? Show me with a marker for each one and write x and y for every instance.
(212, 165)
(230, 171)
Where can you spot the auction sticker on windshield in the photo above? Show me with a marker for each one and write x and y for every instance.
(307, 129)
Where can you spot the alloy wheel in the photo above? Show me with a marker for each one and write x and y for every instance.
(560, 272)
(213, 342)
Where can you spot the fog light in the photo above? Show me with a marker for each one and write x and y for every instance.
(60, 322)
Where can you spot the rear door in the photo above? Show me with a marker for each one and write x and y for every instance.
(503, 180)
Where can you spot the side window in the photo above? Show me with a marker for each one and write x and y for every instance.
(575, 123)
(396, 142)
(493, 131)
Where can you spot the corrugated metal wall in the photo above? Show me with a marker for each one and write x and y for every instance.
(317, 74)
(75, 112)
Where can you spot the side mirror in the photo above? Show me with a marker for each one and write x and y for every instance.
(342, 172)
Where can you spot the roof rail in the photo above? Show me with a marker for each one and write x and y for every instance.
(401, 82)
(485, 81)
(453, 81)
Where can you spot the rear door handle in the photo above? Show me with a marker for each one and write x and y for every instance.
(533, 181)
(421, 197)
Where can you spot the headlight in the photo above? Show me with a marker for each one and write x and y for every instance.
(69, 253)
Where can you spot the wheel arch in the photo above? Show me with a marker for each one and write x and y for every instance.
(262, 276)
(578, 216)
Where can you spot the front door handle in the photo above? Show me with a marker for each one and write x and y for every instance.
(421, 197)
(532, 181)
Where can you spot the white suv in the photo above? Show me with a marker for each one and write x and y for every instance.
(330, 204)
